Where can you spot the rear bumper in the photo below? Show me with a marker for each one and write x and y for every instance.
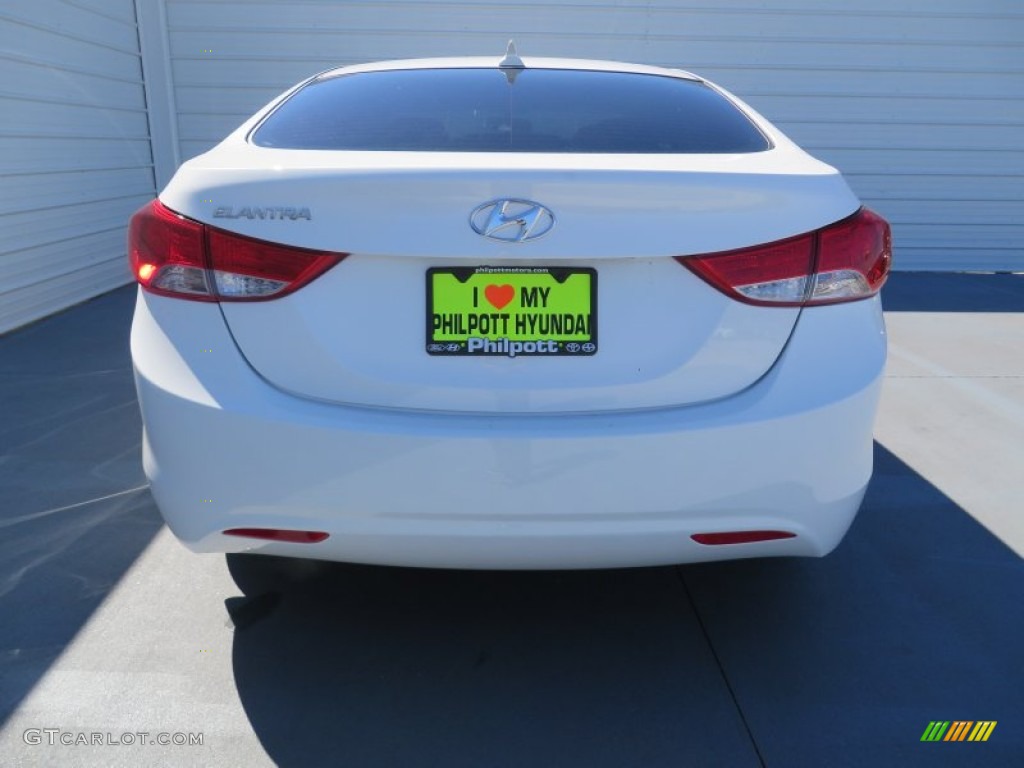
(223, 449)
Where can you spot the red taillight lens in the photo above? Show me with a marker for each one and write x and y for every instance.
(776, 273)
(846, 261)
(246, 269)
(854, 258)
(167, 253)
(175, 256)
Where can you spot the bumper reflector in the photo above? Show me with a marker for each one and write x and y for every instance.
(276, 534)
(740, 537)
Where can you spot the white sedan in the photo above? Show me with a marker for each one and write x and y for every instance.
(508, 313)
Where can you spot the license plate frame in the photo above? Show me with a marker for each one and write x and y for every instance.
(547, 311)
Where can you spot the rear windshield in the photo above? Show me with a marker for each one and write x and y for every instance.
(492, 110)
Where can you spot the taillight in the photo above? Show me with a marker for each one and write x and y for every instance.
(167, 253)
(845, 261)
(175, 256)
(854, 258)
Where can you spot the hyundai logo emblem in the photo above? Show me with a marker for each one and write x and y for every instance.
(512, 220)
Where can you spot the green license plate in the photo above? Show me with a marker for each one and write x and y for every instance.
(511, 311)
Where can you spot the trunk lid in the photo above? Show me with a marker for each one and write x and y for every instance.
(359, 333)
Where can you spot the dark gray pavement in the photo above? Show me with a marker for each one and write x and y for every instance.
(108, 625)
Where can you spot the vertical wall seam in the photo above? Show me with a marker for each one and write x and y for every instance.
(158, 86)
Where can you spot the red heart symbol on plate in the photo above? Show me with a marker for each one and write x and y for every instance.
(499, 295)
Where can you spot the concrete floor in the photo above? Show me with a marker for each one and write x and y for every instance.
(108, 625)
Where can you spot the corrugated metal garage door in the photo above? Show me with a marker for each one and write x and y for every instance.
(74, 152)
(919, 102)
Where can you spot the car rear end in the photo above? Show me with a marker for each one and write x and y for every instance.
(449, 314)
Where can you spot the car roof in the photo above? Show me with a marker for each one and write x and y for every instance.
(528, 62)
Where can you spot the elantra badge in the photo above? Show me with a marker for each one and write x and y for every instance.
(512, 220)
(262, 212)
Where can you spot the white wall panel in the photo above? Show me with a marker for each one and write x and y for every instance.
(75, 156)
(919, 102)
